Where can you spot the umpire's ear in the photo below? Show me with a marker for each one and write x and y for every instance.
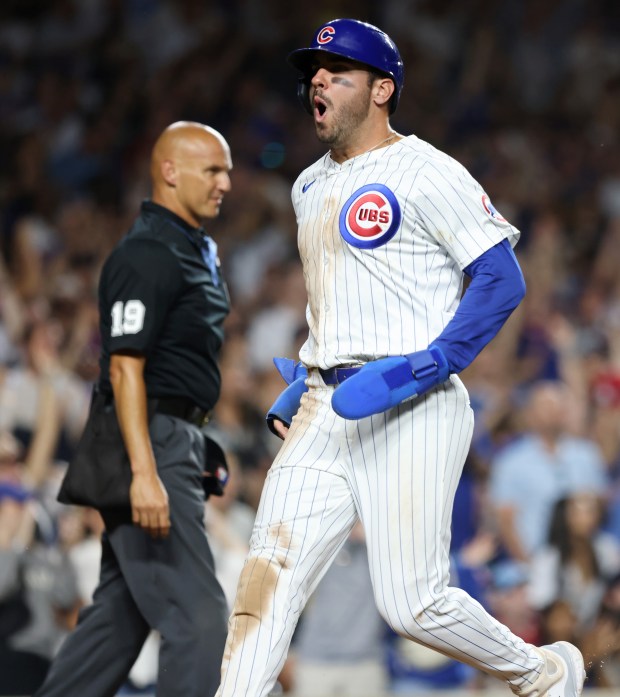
(169, 172)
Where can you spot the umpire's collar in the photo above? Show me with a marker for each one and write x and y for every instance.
(195, 233)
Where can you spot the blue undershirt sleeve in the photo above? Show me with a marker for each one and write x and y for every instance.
(497, 287)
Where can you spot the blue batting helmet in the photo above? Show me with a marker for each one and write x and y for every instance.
(357, 41)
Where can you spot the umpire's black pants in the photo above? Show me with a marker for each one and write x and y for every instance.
(168, 585)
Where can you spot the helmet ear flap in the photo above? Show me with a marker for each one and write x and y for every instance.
(303, 93)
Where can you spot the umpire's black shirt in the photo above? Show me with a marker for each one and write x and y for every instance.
(161, 295)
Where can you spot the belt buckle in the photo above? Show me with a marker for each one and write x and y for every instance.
(348, 370)
(339, 373)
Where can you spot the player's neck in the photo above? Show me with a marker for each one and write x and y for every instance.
(365, 144)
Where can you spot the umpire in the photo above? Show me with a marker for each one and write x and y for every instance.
(162, 305)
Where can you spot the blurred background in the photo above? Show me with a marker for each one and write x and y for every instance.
(526, 94)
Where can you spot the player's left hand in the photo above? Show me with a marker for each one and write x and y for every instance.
(386, 382)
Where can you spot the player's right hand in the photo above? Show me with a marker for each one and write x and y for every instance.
(149, 504)
(279, 428)
(285, 407)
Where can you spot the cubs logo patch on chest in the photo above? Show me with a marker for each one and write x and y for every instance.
(370, 217)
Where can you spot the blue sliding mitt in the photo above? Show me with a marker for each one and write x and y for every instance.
(386, 382)
(286, 405)
(289, 369)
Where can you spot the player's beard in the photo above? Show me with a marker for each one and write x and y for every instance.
(345, 122)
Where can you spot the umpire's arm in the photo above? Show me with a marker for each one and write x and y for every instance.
(149, 500)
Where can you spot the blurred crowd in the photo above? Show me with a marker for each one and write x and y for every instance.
(526, 94)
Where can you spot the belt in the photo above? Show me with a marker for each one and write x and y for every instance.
(182, 408)
(338, 374)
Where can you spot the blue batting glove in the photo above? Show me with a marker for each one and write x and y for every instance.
(386, 382)
(289, 369)
(286, 405)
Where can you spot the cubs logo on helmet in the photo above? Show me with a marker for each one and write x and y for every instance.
(325, 35)
(370, 217)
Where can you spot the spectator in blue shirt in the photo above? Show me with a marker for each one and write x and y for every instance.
(545, 464)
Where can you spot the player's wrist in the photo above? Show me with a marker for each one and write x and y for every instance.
(429, 364)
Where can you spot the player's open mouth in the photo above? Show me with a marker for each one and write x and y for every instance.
(320, 107)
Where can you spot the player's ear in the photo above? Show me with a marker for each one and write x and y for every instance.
(382, 90)
(169, 172)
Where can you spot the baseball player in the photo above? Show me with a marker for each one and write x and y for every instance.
(376, 424)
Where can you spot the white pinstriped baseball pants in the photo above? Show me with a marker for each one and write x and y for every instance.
(398, 471)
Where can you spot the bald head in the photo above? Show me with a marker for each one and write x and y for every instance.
(183, 139)
(190, 166)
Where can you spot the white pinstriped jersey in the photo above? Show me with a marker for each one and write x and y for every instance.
(383, 239)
